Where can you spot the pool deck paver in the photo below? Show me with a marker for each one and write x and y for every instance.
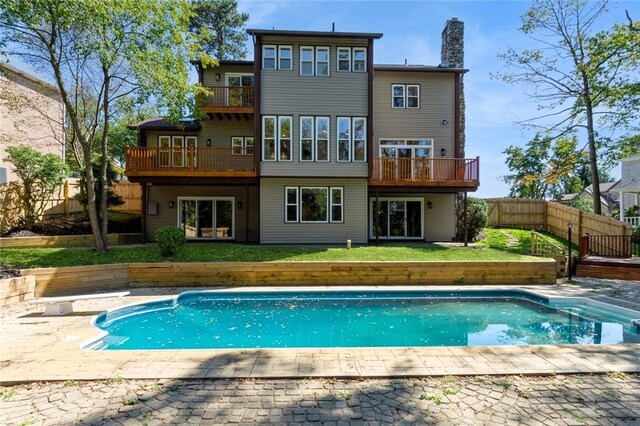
(37, 348)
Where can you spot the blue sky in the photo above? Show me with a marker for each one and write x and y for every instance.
(412, 31)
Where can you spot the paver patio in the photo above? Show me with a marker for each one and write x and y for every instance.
(40, 348)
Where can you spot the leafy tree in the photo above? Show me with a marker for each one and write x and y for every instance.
(539, 169)
(98, 51)
(583, 204)
(221, 25)
(113, 199)
(477, 218)
(41, 175)
(583, 79)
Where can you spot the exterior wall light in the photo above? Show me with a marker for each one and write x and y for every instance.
(218, 77)
(209, 143)
(443, 152)
(444, 122)
(429, 205)
(172, 204)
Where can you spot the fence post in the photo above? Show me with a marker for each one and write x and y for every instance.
(499, 206)
(65, 192)
(583, 246)
(579, 222)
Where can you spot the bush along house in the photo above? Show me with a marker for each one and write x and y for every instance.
(313, 143)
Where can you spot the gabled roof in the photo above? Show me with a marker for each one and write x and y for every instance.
(604, 187)
(328, 34)
(159, 123)
(417, 68)
(632, 186)
(568, 197)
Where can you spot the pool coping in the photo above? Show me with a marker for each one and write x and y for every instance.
(48, 349)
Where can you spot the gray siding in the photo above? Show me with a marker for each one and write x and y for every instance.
(439, 221)
(166, 216)
(437, 103)
(220, 133)
(209, 74)
(274, 230)
(340, 94)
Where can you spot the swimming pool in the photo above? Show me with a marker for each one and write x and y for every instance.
(295, 319)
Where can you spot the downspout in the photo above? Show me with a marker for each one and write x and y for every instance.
(257, 118)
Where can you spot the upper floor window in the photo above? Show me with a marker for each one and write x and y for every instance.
(352, 59)
(242, 145)
(359, 59)
(268, 57)
(277, 57)
(285, 57)
(276, 138)
(352, 139)
(314, 61)
(314, 138)
(405, 96)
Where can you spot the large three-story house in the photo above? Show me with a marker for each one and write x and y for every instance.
(313, 143)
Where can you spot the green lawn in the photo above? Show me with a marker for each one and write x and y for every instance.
(493, 248)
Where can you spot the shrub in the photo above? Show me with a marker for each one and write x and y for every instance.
(636, 234)
(584, 204)
(476, 218)
(170, 239)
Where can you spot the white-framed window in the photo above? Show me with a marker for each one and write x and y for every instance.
(242, 145)
(322, 61)
(322, 138)
(352, 139)
(276, 138)
(397, 95)
(314, 204)
(285, 57)
(306, 60)
(306, 138)
(269, 57)
(396, 218)
(344, 139)
(269, 138)
(284, 138)
(336, 204)
(207, 218)
(314, 138)
(291, 204)
(359, 59)
(405, 96)
(406, 159)
(344, 58)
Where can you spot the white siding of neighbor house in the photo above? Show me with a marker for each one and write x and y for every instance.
(274, 230)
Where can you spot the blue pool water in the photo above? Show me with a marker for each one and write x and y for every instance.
(199, 320)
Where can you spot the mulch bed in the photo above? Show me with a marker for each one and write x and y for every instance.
(78, 224)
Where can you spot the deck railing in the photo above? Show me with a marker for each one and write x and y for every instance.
(162, 159)
(623, 246)
(633, 220)
(229, 96)
(460, 170)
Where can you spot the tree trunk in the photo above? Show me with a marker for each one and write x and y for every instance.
(101, 247)
(104, 213)
(591, 138)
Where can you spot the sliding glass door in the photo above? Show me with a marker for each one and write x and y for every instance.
(206, 218)
(393, 218)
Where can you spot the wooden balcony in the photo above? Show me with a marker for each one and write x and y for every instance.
(228, 99)
(426, 172)
(190, 162)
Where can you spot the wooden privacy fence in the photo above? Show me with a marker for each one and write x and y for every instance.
(63, 201)
(552, 217)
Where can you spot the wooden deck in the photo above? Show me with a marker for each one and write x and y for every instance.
(426, 172)
(609, 268)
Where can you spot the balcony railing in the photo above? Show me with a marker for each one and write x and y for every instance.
(189, 161)
(426, 171)
(229, 98)
(624, 246)
(633, 220)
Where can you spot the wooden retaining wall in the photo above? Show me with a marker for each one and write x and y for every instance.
(68, 241)
(17, 289)
(97, 278)
(79, 279)
(341, 273)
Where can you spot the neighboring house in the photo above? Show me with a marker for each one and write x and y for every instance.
(31, 113)
(313, 143)
(629, 188)
(608, 196)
